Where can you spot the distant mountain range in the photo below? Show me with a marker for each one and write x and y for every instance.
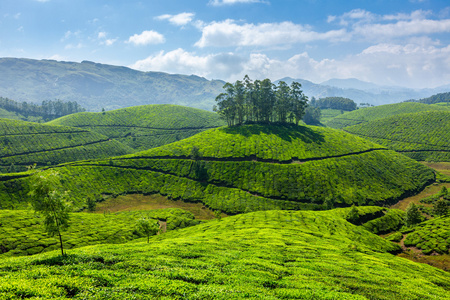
(96, 86)
(364, 92)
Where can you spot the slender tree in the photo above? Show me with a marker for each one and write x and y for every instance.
(50, 201)
(148, 227)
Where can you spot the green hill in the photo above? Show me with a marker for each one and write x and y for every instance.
(432, 236)
(262, 255)
(364, 115)
(25, 143)
(422, 136)
(22, 233)
(144, 127)
(246, 168)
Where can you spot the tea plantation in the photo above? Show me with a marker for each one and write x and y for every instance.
(422, 136)
(247, 168)
(364, 115)
(147, 126)
(260, 255)
(25, 143)
(22, 233)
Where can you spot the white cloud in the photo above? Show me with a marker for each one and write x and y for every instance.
(110, 42)
(179, 19)
(74, 46)
(182, 62)
(411, 65)
(146, 37)
(101, 35)
(231, 2)
(228, 33)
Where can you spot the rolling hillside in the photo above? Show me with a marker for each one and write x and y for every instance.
(22, 233)
(95, 86)
(261, 255)
(25, 143)
(246, 168)
(422, 136)
(144, 127)
(364, 115)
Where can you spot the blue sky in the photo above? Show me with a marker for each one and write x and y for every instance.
(405, 43)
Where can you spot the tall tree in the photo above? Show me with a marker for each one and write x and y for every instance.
(299, 101)
(50, 201)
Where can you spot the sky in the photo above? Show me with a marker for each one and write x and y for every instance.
(394, 43)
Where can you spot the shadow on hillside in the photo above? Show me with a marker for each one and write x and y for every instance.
(287, 132)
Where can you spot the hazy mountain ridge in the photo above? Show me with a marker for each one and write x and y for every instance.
(96, 86)
(362, 92)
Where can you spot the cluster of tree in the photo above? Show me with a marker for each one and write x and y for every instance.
(438, 98)
(261, 101)
(334, 103)
(48, 109)
(365, 105)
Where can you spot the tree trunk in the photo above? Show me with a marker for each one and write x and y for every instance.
(61, 244)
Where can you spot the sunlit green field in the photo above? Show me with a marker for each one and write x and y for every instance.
(262, 255)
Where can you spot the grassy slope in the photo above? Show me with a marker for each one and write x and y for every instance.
(22, 232)
(262, 255)
(144, 127)
(24, 143)
(247, 168)
(360, 116)
(423, 136)
(328, 114)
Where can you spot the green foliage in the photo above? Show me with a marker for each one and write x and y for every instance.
(251, 167)
(48, 110)
(336, 103)
(263, 255)
(361, 116)
(312, 116)
(148, 227)
(395, 237)
(353, 215)
(24, 143)
(261, 101)
(438, 98)
(392, 220)
(440, 208)
(146, 126)
(21, 231)
(48, 200)
(430, 236)
(421, 136)
(91, 204)
(412, 215)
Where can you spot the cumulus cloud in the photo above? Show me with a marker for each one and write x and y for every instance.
(182, 62)
(411, 65)
(230, 2)
(364, 24)
(146, 37)
(229, 33)
(179, 19)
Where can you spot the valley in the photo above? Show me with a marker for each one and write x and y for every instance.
(256, 210)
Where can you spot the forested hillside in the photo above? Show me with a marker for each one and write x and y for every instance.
(422, 136)
(246, 168)
(379, 112)
(144, 127)
(23, 144)
(95, 86)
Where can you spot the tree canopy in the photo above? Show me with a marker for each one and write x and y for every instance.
(261, 101)
(335, 103)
